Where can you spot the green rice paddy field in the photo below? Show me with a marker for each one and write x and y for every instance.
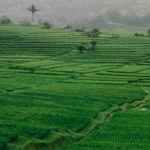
(54, 98)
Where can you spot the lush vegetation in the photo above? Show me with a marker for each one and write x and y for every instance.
(49, 90)
(127, 130)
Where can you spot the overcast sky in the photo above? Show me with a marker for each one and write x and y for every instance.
(64, 11)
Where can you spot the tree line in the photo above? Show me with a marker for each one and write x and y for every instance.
(115, 18)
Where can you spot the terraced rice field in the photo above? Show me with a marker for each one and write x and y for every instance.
(53, 97)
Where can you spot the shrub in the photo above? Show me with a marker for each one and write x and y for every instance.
(90, 34)
(138, 34)
(93, 33)
(85, 47)
(5, 20)
(79, 30)
(81, 48)
(93, 44)
(47, 25)
(95, 30)
(115, 35)
(68, 27)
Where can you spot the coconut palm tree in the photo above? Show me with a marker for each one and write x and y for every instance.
(33, 9)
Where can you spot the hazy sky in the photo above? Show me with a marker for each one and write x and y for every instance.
(63, 11)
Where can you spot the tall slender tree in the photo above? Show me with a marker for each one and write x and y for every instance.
(33, 9)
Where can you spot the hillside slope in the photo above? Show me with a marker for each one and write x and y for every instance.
(52, 96)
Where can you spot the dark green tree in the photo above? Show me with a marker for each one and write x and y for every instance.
(33, 9)
(95, 30)
(5, 20)
(81, 48)
(148, 32)
(47, 25)
(95, 33)
(93, 43)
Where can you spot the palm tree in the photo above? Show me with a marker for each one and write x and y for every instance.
(33, 9)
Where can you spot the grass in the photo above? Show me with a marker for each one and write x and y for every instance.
(127, 130)
(48, 89)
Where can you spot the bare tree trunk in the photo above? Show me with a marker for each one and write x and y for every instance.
(32, 18)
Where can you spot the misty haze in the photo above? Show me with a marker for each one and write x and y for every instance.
(81, 13)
